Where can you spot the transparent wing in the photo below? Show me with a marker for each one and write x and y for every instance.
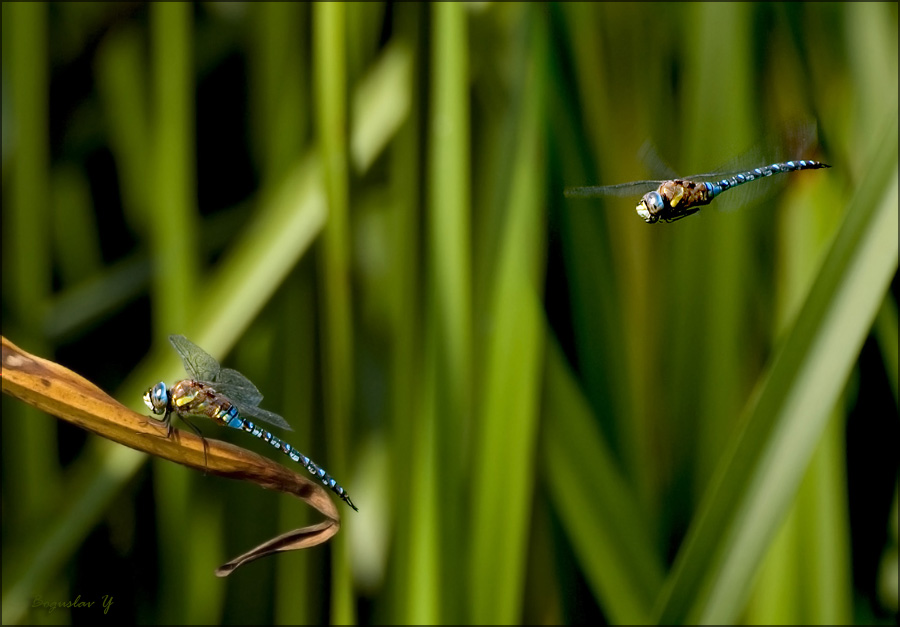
(633, 188)
(237, 387)
(751, 193)
(791, 140)
(199, 364)
(638, 188)
(251, 411)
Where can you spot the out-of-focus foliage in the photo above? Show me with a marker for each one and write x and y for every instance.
(545, 409)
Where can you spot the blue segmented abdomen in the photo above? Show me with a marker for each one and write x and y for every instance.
(232, 418)
(751, 175)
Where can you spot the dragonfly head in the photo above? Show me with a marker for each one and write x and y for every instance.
(650, 207)
(157, 398)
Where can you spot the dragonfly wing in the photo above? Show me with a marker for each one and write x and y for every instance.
(622, 189)
(237, 387)
(251, 411)
(744, 195)
(199, 364)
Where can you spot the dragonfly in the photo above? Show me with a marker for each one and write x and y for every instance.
(678, 198)
(228, 398)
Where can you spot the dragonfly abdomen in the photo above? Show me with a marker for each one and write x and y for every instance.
(314, 469)
(758, 173)
(194, 398)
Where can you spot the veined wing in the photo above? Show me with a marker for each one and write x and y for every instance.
(252, 411)
(631, 188)
(202, 366)
(237, 387)
(199, 364)
(713, 177)
(761, 182)
(636, 188)
(246, 397)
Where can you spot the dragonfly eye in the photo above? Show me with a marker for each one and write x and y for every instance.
(650, 207)
(156, 398)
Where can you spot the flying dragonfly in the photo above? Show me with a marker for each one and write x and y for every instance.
(678, 198)
(228, 398)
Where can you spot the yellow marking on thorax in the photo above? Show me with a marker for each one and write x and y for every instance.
(183, 400)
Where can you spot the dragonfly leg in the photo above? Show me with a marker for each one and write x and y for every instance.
(199, 435)
(167, 421)
(683, 214)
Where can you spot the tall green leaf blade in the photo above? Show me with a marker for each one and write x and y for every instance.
(448, 320)
(509, 407)
(598, 508)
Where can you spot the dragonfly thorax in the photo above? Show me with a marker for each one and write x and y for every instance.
(157, 398)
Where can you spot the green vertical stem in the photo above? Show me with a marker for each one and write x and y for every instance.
(278, 86)
(330, 87)
(280, 110)
(425, 595)
(173, 205)
(122, 77)
(413, 593)
(604, 253)
(719, 290)
(29, 250)
(449, 195)
(173, 240)
(26, 245)
(299, 400)
(508, 406)
(449, 272)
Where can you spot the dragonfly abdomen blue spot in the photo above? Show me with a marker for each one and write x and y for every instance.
(231, 417)
(714, 189)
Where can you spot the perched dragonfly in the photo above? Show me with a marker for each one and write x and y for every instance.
(227, 397)
(678, 198)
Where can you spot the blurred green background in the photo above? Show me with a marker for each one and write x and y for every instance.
(546, 410)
